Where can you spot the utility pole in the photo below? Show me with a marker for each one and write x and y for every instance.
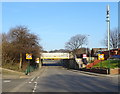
(108, 25)
(108, 31)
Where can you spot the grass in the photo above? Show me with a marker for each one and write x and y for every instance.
(11, 67)
(106, 63)
(14, 67)
(7, 72)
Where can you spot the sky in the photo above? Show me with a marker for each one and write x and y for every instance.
(56, 22)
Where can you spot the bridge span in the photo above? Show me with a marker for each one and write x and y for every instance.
(55, 56)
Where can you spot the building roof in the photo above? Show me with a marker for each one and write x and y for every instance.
(99, 49)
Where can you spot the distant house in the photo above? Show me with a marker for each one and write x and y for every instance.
(95, 51)
(114, 53)
(81, 51)
(99, 49)
(87, 51)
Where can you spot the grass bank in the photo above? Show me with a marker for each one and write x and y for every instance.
(107, 63)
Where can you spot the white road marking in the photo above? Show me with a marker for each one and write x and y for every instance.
(38, 77)
(35, 86)
(6, 81)
(30, 82)
(32, 79)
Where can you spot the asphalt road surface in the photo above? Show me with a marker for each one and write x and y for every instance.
(54, 78)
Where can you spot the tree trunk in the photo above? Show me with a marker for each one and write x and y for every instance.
(20, 66)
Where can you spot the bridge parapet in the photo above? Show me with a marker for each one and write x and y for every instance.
(55, 56)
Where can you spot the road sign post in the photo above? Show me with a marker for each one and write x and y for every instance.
(109, 64)
(101, 64)
(28, 67)
(28, 57)
(101, 57)
(37, 62)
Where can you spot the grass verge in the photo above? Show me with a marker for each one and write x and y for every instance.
(108, 63)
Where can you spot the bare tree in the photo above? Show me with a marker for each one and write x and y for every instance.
(18, 42)
(114, 39)
(7, 54)
(75, 43)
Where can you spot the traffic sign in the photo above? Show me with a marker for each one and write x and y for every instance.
(84, 55)
(37, 60)
(100, 56)
(28, 56)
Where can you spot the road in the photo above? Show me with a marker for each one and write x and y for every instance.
(55, 78)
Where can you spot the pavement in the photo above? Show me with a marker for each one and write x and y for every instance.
(13, 83)
(11, 74)
(95, 74)
(7, 73)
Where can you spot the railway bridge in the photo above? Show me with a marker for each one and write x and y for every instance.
(55, 56)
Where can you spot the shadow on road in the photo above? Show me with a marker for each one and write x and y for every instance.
(51, 63)
(55, 64)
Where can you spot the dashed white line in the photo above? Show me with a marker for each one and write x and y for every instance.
(6, 81)
(38, 77)
(35, 86)
(32, 79)
(35, 82)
